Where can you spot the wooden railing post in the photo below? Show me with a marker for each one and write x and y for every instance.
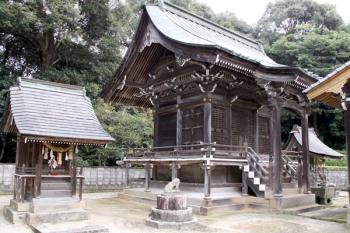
(81, 183)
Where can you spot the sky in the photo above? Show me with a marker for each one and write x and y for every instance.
(252, 10)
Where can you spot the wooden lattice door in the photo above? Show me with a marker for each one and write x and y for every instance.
(192, 125)
(219, 125)
(242, 127)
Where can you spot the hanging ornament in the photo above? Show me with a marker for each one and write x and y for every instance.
(43, 150)
(51, 153)
(76, 149)
(59, 158)
(66, 158)
(70, 154)
(46, 153)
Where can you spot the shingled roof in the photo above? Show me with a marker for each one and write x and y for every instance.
(47, 111)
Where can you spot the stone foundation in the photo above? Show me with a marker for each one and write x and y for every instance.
(171, 212)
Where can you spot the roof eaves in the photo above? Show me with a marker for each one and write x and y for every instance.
(328, 76)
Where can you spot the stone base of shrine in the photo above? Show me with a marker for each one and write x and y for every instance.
(56, 210)
(16, 212)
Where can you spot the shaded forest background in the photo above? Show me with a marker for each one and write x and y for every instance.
(82, 42)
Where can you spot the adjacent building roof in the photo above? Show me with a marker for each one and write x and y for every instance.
(316, 146)
(48, 111)
(328, 89)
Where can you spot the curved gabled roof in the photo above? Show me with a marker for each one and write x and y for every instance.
(316, 146)
(48, 111)
(184, 27)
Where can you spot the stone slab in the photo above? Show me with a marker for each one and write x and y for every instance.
(56, 217)
(69, 227)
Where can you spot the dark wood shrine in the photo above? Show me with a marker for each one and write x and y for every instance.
(50, 121)
(217, 99)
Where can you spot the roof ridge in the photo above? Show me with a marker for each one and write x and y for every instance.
(50, 86)
(244, 37)
(50, 83)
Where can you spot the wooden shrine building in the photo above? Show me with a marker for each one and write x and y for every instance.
(50, 121)
(318, 152)
(217, 99)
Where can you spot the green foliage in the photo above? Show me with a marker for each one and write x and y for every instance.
(129, 126)
(319, 51)
(337, 162)
(287, 16)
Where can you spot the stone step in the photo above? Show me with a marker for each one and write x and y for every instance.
(221, 208)
(303, 209)
(68, 227)
(56, 193)
(53, 186)
(293, 201)
(56, 217)
(45, 205)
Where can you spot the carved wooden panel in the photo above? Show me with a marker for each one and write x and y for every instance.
(192, 125)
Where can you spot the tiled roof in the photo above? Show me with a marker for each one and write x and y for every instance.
(51, 110)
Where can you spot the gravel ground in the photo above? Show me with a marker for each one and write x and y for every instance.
(125, 217)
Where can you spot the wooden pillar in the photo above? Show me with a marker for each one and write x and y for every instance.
(306, 157)
(39, 173)
(207, 180)
(207, 122)
(275, 135)
(300, 173)
(244, 183)
(346, 108)
(256, 145)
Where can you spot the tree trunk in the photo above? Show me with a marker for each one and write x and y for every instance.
(48, 52)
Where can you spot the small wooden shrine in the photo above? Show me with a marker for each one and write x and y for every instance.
(318, 152)
(50, 121)
(217, 99)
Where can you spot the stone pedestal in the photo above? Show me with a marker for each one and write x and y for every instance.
(171, 212)
(324, 195)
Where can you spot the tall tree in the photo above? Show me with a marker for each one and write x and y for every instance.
(284, 17)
